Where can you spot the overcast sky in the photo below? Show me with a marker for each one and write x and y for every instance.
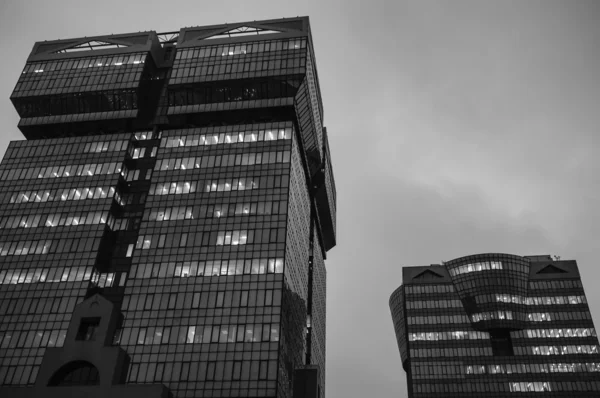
(455, 128)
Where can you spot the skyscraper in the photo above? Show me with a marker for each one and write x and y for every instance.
(163, 229)
(496, 325)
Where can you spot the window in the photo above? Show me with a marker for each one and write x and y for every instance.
(87, 329)
(78, 373)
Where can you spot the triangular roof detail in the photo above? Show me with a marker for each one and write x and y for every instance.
(428, 274)
(551, 269)
(90, 46)
(242, 31)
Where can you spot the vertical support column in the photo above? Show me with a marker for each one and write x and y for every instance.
(310, 285)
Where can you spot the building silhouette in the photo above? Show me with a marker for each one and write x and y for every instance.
(163, 229)
(496, 325)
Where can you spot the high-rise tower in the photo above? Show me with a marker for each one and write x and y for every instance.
(496, 325)
(163, 229)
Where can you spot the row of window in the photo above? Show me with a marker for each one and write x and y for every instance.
(449, 335)
(53, 220)
(448, 288)
(451, 352)
(529, 333)
(139, 153)
(61, 274)
(218, 238)
(475, 267)
(497, 388)
(146, 135)
(105, 146)
(135, 174)
(61, 171)
(561, 284)
(83, 63)
(523, 386)
(433, 304)
(531, 317)
(84, 84)
(234, 90)
(496, 315)
(240, 184)
(175, 141)
(437, 319)
(557, 350)
(131, 198)
(203, 300)
(240, 49)
(18, 375)
(502, 298)
(46, 305)
(220, 185)
(575, 367)
(203, 371)
(46, 246)
(87, 102)
(216, 211)
(559, 316)
(122, 224)
(47, 149)
(454, 370)
(539, 317)
(53, 195)
(493, 315)
(47, 275)
(202, 334)
(32, 338)
(201, 162)
(559, 332)
(549, 300)
(255, 266)
(429, 289)
(202, 69)
(436, 370)
(108, 279)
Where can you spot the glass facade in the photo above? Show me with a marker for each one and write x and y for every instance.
(495, 325)
(189, 183)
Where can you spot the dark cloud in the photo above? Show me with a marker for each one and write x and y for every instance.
(456, 128)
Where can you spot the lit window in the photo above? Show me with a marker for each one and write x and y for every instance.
(129, 250)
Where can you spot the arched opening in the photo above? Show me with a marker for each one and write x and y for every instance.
(77, 373)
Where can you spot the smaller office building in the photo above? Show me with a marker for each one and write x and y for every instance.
(496, 325)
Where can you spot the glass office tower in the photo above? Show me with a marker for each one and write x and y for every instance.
(496, 325)
(173, 205)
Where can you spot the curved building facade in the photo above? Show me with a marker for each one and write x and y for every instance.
(496, 325)
(478, 279)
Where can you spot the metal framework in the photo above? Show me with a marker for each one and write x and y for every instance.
(168, 37)
(242, 31)
(90, 46)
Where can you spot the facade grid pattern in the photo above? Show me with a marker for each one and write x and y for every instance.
(507, 325)
(174, 191)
